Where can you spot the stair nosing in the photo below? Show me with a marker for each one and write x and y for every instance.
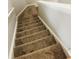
(33, 41)
(31, 22)
(30, 34)
(29, 29)
(37, 51)
(28, 25)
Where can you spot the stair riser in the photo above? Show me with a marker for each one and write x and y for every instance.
(25, 23)
(31, 38)
(52, 52)
(34, 46)
(26, 20)
(29, 27)
(37, 29)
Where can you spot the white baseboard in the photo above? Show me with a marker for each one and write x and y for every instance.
(57, 38)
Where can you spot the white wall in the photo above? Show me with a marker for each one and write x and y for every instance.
(59, 1)
(65, 1)
(50, 0)
(11, 27)
(9, 6)
(20, 4)
(57, 16)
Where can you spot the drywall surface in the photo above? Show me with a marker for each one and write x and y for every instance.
(57, 16)
(20, 4)
(11, 27)
(50, 0)
(59, 1)
(9, 6)
(65, 1)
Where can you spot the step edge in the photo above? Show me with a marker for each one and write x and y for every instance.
(27, 22)
(33, 41)
(28, 25)
(30, 35)
(29, 29)
(37, 51)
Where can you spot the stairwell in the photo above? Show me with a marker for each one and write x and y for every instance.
(33, 39)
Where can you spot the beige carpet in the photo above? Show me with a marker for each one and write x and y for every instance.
(33, 39)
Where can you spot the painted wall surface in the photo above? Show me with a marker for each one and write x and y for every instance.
(57, 16)
(9, 6)
(11, 27)
(59, 1)
(20, 4)
(65, 1)
(50, 0)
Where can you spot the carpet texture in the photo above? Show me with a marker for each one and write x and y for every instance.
(33, 39)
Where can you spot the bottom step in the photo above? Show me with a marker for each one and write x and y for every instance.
(29, 48)
(51, 52)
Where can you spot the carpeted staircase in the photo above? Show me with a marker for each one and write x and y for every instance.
(33, 39)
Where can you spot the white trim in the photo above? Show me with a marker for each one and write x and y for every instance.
(57, 38)
(12, 9)
(13, 41)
